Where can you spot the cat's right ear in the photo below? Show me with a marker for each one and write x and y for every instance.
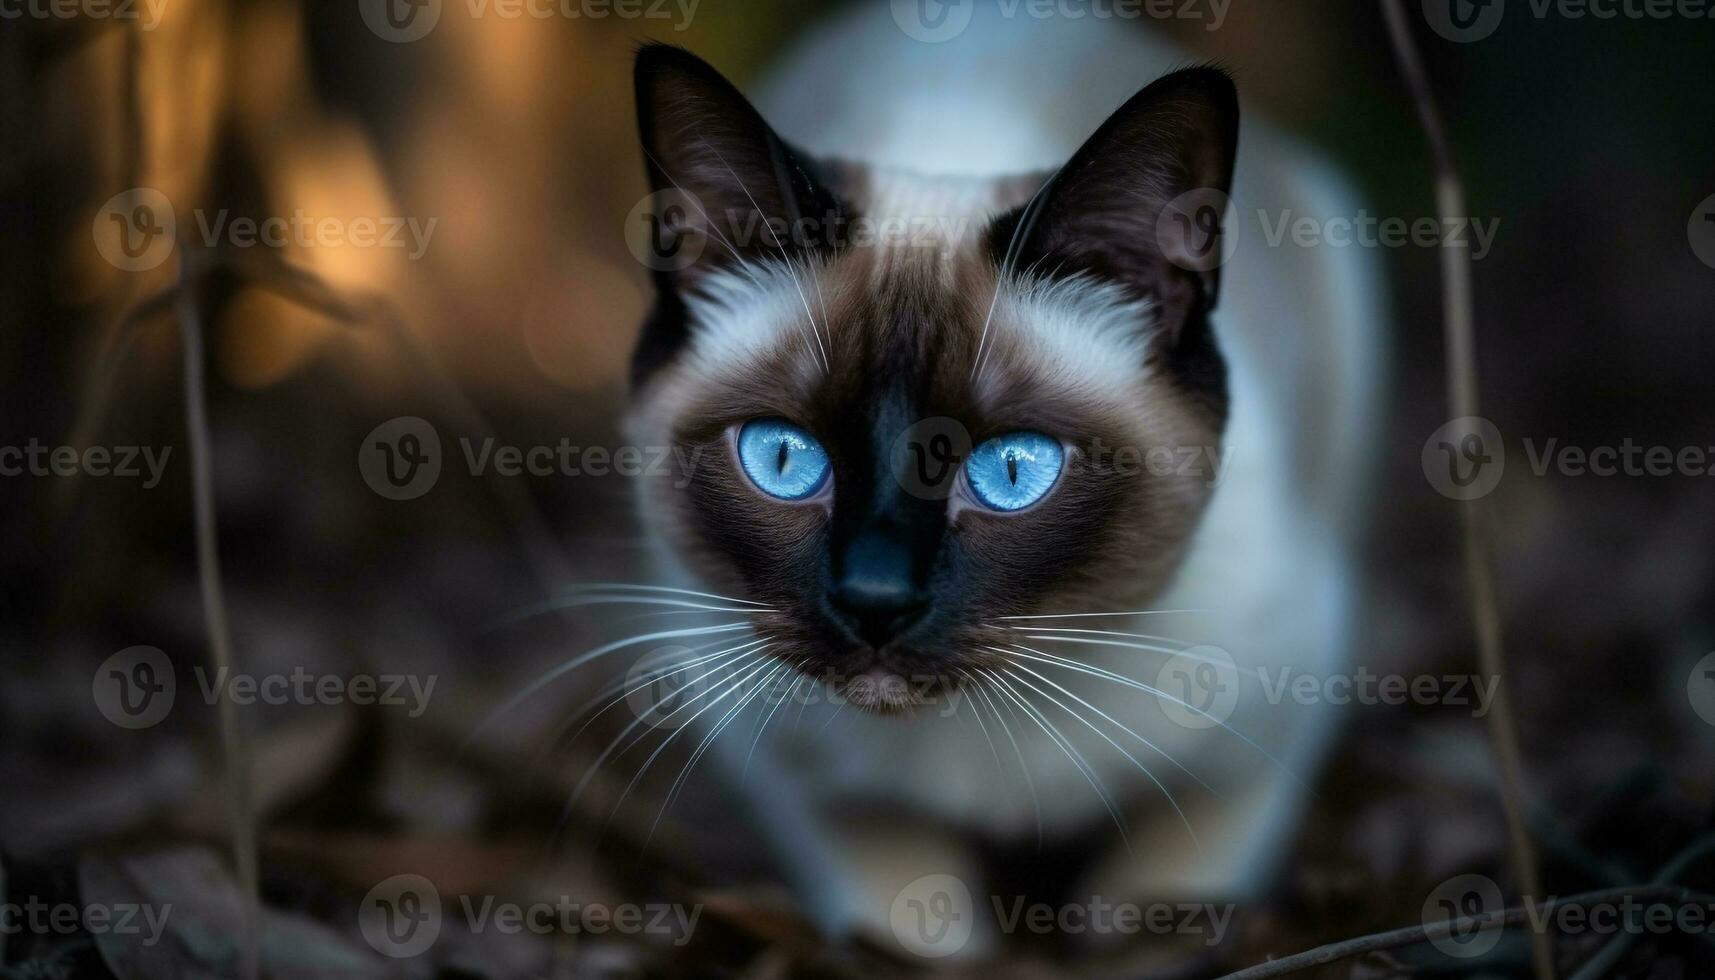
(717, 171)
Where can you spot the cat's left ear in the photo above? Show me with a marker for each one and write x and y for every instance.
(745, 188)
(1140, 201)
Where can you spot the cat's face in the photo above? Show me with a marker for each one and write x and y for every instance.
(903, 439)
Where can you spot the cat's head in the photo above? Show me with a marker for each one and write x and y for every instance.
(920, 405)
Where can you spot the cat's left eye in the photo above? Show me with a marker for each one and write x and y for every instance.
(782, 459)
(1011, 472)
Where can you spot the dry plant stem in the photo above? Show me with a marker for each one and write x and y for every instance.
(1609, 956)
(233, 741)
(548, 563)
(1412, 935)
(1462, 396)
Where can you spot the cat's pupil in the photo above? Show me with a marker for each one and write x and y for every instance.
(780, 460)
(1012, 469)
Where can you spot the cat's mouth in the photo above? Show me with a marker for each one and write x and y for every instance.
(880, 685)
(882, 691)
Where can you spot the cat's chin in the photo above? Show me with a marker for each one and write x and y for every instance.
(881, 691)
(886, 692)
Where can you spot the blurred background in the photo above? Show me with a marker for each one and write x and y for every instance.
(498, 157)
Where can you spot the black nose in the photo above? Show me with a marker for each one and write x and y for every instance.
(877, 590)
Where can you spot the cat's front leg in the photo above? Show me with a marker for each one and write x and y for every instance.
(856, 877)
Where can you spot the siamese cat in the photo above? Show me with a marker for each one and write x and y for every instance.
(1015, 447)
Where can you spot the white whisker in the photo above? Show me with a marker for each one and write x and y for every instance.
(998, 767)
(736, 685)
(796, 283)
(578, 602)
(745, 660)
(1113, 721)
(1121, 750)
(640, 587)
(1147, 689)
(796, 680)
(1071, 752)
(1023, 766)
(615, 690)
(1092, 615)
(1186, 654)
(1093, 632)
(1008, 263)
(513, 702)
(744, 265)
(703, 746)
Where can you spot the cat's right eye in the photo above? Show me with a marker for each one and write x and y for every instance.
(782, 459)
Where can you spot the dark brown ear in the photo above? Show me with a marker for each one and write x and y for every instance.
(737, 182)
(1141, 201)
(725, 191)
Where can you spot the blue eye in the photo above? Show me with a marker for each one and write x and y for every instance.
(1012, 472)
(782, 459)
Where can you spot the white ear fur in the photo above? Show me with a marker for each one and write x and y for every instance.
(740, 314)
(1077, 335)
